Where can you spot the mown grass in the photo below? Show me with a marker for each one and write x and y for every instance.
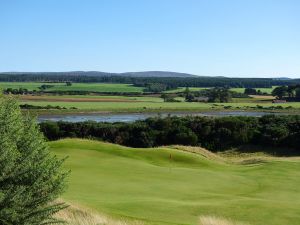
(168, 186)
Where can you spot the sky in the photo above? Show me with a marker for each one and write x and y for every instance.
(235, 38)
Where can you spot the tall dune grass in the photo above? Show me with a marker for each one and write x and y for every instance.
(78, 215)
(213, 220)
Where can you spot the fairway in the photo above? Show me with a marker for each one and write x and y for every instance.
(168, 186)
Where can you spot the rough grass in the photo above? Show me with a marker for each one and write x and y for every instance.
(171, 186)
(201, 151)
(230, 157)
(79, 215)
(213, 220)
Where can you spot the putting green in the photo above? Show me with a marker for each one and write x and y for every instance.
(168, 186)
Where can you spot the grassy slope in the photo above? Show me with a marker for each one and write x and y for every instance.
(145, 184)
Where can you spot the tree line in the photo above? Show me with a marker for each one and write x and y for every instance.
(150, 83)
(215, 134)
(290, 92)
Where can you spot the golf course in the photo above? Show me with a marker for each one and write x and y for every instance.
(180, 185)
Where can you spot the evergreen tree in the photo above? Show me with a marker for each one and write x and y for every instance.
(30, 177)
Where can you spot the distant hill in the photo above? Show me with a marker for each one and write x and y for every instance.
(157, 74)
(105, 74)
(282, 78)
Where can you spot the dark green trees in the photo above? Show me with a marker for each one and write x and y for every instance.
(212, 133)
(250, 91)
(280, 92)
(30, 178)
(219, 95)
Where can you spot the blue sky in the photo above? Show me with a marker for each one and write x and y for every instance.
(238, 38)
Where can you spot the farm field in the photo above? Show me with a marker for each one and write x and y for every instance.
(93, 87)
(145, 104)
(239, 90)
(182, 89)
(31, 86)
(89, 98)
(264, 90)
(169, 186)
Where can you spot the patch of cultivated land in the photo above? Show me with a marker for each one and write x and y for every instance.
(26, 85)
(171, 186)
(264, 90)
(182, 89)
(144, 104)
(97, 87)
(92, 87)
(77, 99)
(239, 90)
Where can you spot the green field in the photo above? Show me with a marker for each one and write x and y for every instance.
(264, 90)
(26, 85)
(70, 98)
(182, 89)
(145, 184)
(92, 87)
(155, 105)
(103, 87)
(239, 90)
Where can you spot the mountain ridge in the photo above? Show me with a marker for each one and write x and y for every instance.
(102, 74)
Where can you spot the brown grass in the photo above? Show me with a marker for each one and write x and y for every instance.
(199, 150)
(78, 215)
(213, 220)
(266, 97)
(232, 157)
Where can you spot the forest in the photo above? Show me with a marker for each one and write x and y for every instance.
(149, 83)
(215, 134)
